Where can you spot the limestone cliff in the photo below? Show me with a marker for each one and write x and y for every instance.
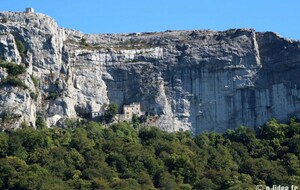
(194, 80)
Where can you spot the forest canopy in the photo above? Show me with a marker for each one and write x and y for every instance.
(90, 156)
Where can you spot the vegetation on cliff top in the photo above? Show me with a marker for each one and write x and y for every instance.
(90, 156)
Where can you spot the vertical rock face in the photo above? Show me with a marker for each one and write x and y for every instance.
(193, 80)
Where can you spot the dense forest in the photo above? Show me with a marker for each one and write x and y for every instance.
(88, 155)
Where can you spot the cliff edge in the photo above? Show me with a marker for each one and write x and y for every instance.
(198, 80)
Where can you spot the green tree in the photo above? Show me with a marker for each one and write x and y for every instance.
(149, 135)
(40, 122)
(145, 180)
(125, 132)
(80, 140)
(11, 168)
(110, 112)
(100, 183)
(292, 163)
(205, 184)
(117, 161)
(272, 129)
(294, 144)
(167, 181)
(91, 156)
(135, 121)
(3, 144)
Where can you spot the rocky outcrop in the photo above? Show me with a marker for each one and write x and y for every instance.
(194, 80)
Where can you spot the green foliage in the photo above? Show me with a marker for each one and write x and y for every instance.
(70, 123)
(3, 144)
(87, 155)
(23, 176)
(84, 43)
(5, 116)
(21, 47)
(111, 112)
(80, 140)
(52, 96)
(13, 71)
(13, 68)
(125, 132)
(33, 96)
(35, 80)
(40, 122)
(272, 130)
(136, 121)
(13, 81)
(24, 124)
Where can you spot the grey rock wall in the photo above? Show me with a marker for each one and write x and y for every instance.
(194, 80)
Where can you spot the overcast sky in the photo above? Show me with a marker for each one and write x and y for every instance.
(124, 16)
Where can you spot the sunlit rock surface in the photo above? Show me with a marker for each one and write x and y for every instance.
(194, 80)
